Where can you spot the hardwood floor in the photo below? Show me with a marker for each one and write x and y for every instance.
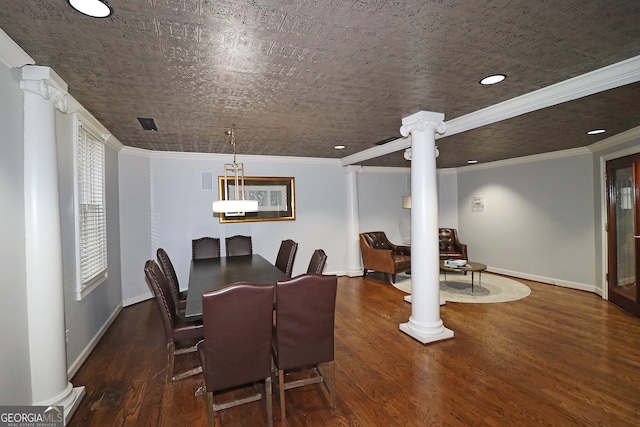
(559, 357)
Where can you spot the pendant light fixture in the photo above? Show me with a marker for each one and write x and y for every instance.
(234, 203)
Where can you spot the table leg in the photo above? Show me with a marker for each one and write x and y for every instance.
(472, 273)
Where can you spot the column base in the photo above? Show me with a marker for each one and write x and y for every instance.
(408, 299)
(426, 333)
(426, 338)
(69, 399)
(69, 410)
(355, 272)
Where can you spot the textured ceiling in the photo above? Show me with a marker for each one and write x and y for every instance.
(298, 77)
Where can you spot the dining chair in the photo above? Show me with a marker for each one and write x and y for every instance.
(179, 298)
(176, 329)
(205, 247)
(236, 349)
(317, 262)
(304, 333)
(238, 245)
(286, 255)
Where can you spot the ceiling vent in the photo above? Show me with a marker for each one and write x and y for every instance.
(147, 124)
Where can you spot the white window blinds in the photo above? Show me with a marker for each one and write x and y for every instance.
(91, 208)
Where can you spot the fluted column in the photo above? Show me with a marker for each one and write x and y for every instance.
(353, 264)
(424, 324)
(44, 92)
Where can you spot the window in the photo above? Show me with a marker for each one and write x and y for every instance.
(92, 228)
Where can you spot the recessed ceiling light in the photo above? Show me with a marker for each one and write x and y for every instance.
(472, 162)
(596, 132)
(340, 147)
(491, 80)
(92, 8)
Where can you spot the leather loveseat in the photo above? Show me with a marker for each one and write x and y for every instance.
(379, 254)
(450, 246)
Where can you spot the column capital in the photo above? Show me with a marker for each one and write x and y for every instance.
(353, 168)
(421, 121)
(45, 82)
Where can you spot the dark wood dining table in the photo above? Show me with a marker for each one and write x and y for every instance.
(216, 273)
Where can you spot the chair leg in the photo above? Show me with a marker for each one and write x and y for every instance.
(269, 396)
(328, 373)
(171, 349)
(283, 414)
(209, 400)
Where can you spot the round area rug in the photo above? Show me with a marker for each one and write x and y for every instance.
(457, 288)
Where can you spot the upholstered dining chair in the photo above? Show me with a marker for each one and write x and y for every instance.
(318, 260)
(176, 329)
(236, 350)
(179, 298)
(286, 255)
(303, 332)
(238, 245)
(205, 247)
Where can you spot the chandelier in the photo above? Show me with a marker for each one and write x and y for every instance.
(234, 203)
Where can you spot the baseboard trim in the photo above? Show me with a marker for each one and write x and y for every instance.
(548, 280)
(136, 299)
(75, 366)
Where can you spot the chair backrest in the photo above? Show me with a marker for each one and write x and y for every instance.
(377, 239)
(205, 247)
(318, 260)
(304, 325)
(238, 245)
(286, 255)
(447, 238)
(238, 324)
(170, 275)
(161, 289)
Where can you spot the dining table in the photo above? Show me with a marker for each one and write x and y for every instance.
(209, 274)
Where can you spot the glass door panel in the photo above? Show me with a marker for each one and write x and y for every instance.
(625, 283)
(623, 176)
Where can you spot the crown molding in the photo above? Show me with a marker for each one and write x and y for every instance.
(384, 169)
(612, 76)
(609, 77)
(179, 155)
(11, 54)
(527, 159)
(620, 138)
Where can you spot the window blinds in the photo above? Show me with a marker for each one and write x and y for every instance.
(91, 208)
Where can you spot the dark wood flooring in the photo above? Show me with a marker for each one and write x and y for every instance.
(559, 357)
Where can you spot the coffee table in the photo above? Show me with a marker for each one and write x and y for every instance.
(471, 266)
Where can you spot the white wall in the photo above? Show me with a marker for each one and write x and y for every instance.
(15, 373)
(380, 192)
(135, 223)
(448, 198)
(178, 210)
(538, 220)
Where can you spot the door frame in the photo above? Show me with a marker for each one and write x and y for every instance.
(603, 200)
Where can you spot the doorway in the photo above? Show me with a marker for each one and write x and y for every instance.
(623, 205)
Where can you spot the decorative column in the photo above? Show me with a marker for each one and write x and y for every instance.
(424, 324)
(354, 267)
(44, 92)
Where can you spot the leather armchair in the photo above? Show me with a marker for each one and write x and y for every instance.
(450, 246)
(379, 254)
